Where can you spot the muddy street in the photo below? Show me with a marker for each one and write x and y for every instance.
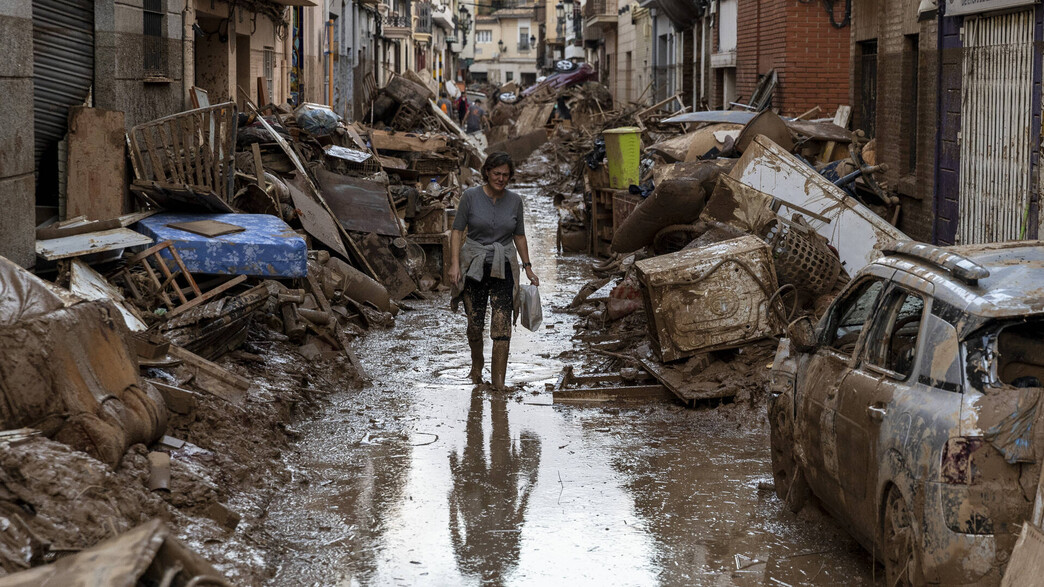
(422, 479)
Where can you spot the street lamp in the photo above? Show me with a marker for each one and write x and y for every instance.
(532, 40)
(464, 22)
(560, 11)
(500, 44)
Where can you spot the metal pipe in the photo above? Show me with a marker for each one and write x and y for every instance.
(703, 62)
(329, 63)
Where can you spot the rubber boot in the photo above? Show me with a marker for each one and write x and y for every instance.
(498, 364)
(477, 361)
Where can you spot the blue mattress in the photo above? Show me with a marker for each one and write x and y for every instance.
(267, 248)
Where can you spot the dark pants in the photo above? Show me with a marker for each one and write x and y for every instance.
(498, 293)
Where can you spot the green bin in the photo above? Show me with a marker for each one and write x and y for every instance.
(623, 148)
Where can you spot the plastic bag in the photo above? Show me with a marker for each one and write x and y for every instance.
(532, 314)
(316, 119)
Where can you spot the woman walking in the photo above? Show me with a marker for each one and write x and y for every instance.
(484, 272)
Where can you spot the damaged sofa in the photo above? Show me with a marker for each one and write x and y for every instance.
(68, 371)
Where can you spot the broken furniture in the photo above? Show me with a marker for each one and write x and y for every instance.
(709, 298)
(146, 555)
(70, 372)
(359, 204)
(112, 241)
(850, 227)
(218, 326)
(266, 247)
(606, 387)
(188, 158)
(154, 261)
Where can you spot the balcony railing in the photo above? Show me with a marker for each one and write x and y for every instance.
(402, 22)
(524, 47)
(600, 8)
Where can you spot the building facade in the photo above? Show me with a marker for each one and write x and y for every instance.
(505, 46)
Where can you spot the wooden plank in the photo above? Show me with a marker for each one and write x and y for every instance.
(401, 141)
(213, 378)
(200, 97)
(184, 270)
(178, 400)
(52, 232)
(96, 163)
(678, 383)
(259, 168)
(844, 112)
(207, 228)
(262, 92)
(93, 242)
(208, 295)
(613, 394)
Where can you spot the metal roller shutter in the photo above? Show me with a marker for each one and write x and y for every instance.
(63, 65)
(996, 118)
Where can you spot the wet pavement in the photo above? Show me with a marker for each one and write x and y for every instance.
(420, 479)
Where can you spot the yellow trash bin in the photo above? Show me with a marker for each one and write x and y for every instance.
(623, 148)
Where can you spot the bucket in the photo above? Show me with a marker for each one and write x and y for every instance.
(623, 148)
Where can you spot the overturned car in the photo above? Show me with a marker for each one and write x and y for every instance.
(911, 409)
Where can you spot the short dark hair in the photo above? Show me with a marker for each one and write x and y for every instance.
(497, 159)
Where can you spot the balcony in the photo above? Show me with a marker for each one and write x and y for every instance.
(395, 27)
(599, 16)
(524, 47)
(442, 17)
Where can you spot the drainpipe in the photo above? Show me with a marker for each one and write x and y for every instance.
(655, 54)
(329, 63)
(187, 46)
(703, 62)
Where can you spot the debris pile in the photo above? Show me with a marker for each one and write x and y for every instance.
(269, 234)
(724, 228)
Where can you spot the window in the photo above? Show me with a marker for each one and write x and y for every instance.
(269, 71)
(154, 39)
(523, 38)
(893, 341)
(508, 76)
(848, 316)
(484, 36)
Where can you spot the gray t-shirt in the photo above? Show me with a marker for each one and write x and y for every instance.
(487, 223)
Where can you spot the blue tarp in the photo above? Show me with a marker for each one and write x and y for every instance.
(267, 248)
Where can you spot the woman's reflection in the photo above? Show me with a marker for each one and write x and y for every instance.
(490, 493)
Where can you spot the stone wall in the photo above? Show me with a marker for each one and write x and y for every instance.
(17, 183)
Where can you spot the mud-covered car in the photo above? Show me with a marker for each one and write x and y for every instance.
(911, 409)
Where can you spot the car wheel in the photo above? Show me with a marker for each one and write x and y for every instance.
(900, 541)
(787, 475)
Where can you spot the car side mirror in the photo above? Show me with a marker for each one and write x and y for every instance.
(803, 334)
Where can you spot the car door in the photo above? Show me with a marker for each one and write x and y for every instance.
(840, 336)
(885, 367)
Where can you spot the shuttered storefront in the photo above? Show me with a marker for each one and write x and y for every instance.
(63, 65)
(996, 117)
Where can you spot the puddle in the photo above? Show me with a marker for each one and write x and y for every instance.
(421, 480)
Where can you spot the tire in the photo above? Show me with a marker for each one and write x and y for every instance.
(900, 544)
(787, 475)
(564, 66)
